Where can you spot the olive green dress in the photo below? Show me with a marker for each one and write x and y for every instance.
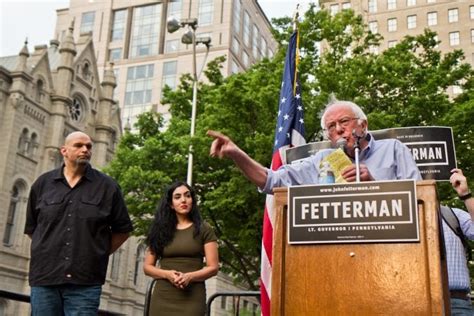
(184, 254)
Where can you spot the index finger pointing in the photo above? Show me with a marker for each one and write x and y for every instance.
(215, 134)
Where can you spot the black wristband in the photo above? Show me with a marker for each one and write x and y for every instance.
(466, 196)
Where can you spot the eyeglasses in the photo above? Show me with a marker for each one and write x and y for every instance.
(344, 122)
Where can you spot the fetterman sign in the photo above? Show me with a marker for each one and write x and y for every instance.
(378, 211)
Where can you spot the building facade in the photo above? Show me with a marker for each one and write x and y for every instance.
(133, 34)
(68, 86)
(44, 96)
(453, 21)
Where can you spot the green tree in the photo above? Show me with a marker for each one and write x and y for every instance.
(402, 86)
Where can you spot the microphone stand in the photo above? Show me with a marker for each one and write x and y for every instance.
(356, 156)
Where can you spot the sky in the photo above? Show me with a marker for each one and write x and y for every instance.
(36, 20)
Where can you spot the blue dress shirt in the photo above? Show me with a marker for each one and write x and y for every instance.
(458, 273)
(386, 159)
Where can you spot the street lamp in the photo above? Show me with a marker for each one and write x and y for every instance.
(190, 38)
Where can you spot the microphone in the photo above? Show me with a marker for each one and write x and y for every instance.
(341, 143)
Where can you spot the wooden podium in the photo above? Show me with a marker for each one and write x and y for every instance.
(361, 279)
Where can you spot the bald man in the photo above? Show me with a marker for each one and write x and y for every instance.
(76, 218)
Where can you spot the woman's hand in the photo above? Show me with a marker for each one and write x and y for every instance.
(183, 280)
(172, 276)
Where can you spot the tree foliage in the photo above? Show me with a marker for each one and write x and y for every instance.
(402, 86)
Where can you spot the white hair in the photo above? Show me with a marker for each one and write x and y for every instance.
(354, 107)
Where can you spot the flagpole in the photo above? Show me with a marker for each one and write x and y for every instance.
(295, 17)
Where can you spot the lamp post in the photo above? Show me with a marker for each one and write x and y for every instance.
(190, 38)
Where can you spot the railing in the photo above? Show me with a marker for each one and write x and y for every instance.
(15, 296)
(234, 294)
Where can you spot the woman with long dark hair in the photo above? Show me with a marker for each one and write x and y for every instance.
(179, 240)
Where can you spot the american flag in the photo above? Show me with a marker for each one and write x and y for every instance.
(289, 132)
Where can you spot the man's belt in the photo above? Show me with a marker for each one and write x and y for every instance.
(460, 294)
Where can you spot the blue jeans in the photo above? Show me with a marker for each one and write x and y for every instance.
(461, 307)
(67, 299)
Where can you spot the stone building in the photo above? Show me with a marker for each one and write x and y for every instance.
(45, 95)
(147, 57)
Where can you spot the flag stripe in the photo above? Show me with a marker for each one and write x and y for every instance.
(289, 131)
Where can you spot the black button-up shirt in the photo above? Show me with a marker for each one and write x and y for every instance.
(71, 228)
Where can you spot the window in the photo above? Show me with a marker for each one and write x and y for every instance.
(87, 22)
(391, 4)
(234, 67)
(346, 5)
(206, 10)
(8, 235)
(373, 27)
(334, 9)
(34, 144)
(472, 35)
(453, 15)
(235, 46)
(471, 12)
(255, 36)
(76, 110)
(430, 1)
(24, 141)
(411, 22)
(454, 38)
(245, 59)
(86, 71)
(411, 3)
(263, 47)
(115, 269)
(171, 46)
(175, 8)
(236, 16)
(432, 18)
(138, 89)
(392, 25)
(140, 254)
(223, 302)
(118, 26)
(372, 6)
(145, 31)
(391, 44)
(39, 91)
(169, 74)
(115, 54)
(246, 29)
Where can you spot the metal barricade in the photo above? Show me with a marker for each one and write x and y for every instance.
(234, 294)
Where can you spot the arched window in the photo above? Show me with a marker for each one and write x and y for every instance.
(140, 255)
(12, 211)
(114, 271)
(39, 91)
(33, 144)
(86, 72)
(24, 141)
